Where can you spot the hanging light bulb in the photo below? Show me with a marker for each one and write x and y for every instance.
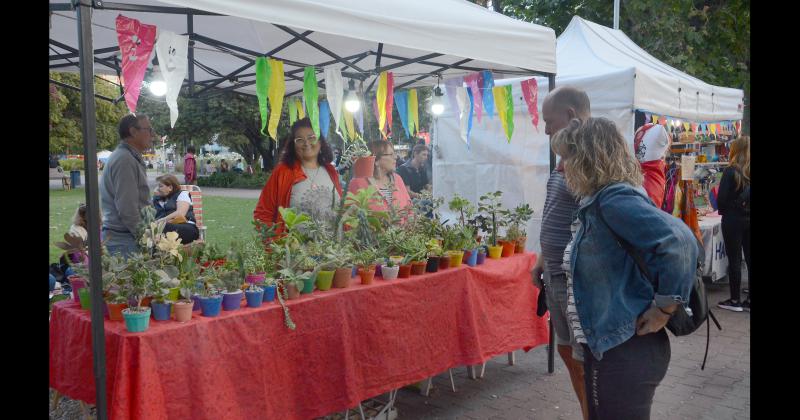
(351, 103)
(158, 86)
(437, 105)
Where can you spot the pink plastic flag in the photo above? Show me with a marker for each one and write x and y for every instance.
(530, 91)
(136, 41)
(472, 82)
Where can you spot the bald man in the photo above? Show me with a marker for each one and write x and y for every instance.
(559, 107)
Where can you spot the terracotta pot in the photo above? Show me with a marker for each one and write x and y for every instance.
(495, 252)
(292, 291)
(418, 267)
(341, 278)
(508, 248)
(183, 311)
(115, 311)
(366, 274)
(444, 262)
(519, 248)
(405, 271)
(364, 167)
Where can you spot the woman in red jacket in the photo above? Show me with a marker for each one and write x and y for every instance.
(304, 179)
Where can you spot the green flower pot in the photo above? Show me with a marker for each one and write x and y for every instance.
(325, 279)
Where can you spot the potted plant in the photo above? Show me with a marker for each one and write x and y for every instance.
(365, 260)
(254, 295)
(138, 277)
(492, 209)
(293, 282)
(270, 286)
(364, 162)
(328, 263)
(390, 270)
(161, 304)
(183, 307)
(416, 252)
(231, 283)
(517, 225)
(434, 254)
(209, 295)
(340, 257)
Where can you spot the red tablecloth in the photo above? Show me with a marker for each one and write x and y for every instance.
(350, 344)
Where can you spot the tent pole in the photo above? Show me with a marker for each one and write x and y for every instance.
(190, 33)
(89, 128)
(551, 85)
(616, 14)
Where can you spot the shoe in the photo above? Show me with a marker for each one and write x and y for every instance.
(746, 305)
(731, 305)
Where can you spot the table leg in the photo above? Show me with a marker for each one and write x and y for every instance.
(452, 382)
(551, 347)
(511, 359)
(483, 369)
(427, 384)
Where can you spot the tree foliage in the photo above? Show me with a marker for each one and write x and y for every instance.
(708, 39)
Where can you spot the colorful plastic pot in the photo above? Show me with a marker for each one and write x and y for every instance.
(433, 265)
(472, 261)
(255, 278)
(136, 321)
(325, 280)
(390, 273)
(481, 257)
(210, 306)
(115, 311)
(444, 262)
(367, 274)
(254, 297)
(183, 311)
(495, 252)
(308, 284)
(341, 278)
(364, 167)
(76, 282)
(455, 258)
(160, 310)
(84, 298)
(195, 302)
(405, 271)
(269, 293)
(232, 301)
(292, 291)
(508, 248)
(378, 270)
(418, 267)
(519, 248)
(396, 259)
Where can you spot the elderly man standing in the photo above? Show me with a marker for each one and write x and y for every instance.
(123, 188)
(559, 107)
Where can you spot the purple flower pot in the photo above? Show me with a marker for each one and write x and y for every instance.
(378, 272)
(480, 258)
(196, 301)
(255, 278)
(231, 301)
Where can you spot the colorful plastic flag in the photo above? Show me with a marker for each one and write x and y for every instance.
(655, 119)
(311, 96)
(359, 116)
(663, 121)
(504, 103)
(136, 41)
(488, 96)
(292, 111)
(530, 92)
(471, 113)
(172, 50)
(389, 102)
(277, 88)
(301, 110)
(348, 122)
(413, 112)
(686, 126)
(262, 88)
(334, 91)
(450, 86)
(381, 101)
(463, 112)
(324, 117)
(694, 127)
(472, 82)
(713, 128)
(401, 100)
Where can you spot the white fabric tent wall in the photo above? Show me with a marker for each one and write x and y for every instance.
(521, 168)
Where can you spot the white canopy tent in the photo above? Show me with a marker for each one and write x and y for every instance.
(417, 40)
(619, 78)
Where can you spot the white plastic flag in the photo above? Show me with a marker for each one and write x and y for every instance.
(334, 90)
(171, 50)
(463, 109)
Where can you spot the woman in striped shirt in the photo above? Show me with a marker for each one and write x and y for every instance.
(391, 188)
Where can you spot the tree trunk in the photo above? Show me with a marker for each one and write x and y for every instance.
(257, 140)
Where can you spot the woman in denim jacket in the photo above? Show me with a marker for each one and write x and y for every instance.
(613, 310)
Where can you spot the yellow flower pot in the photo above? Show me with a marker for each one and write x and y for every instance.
(495, 252)
(455, 258)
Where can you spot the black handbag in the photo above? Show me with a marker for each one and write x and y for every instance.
(541, 302)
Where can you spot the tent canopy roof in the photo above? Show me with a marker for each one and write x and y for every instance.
(588, 49)
(415, 39)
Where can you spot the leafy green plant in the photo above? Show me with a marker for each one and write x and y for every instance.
(463, 207)
(493, 210)
(365, 257)
(517, 220)
(434, 249)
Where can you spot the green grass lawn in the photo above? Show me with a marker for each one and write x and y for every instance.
(227, 218)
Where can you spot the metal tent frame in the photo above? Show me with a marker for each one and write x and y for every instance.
(353, 67)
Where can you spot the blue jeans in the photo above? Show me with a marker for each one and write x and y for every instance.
(119, 243)
(52, 282)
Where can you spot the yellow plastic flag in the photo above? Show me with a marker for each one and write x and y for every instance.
(686, 126)
(413, 112)
(301, 111)
(349, 125)
(655, 119)
(500, 104)
(713, 128)
(381, 101)
(277, 87)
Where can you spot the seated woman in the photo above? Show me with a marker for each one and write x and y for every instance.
(392, 189)
(304, 180)
(175, 207)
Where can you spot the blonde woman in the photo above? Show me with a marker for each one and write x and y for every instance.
(734, 206)
(614, 312)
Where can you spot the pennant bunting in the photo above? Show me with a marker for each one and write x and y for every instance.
(324, 117)
(381, 101)
(472, 82)
(311, 97)
(686, 126)
(276, 90)
(504, 103)
(694, 127)
(136, 41)
(647, 117)
(359, 116)
(488, 96)
(301, 111)
(719, 128)
(348, 120)
(413, 112)
(334, 92)
(530, 92)
(655, 119)
(450, 86)
(172, 50)
(713, 128)
(292, 111)
(389, 102)
(462, 102)
(262, 88)
(401, 101)
(471, 112)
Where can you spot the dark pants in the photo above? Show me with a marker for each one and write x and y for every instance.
(188, 232)
(736, 233)
(622, 385)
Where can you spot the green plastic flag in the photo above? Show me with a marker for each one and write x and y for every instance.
(262, 88)
(277, 87)
(504, 105)
(311, 95)
(292, 111)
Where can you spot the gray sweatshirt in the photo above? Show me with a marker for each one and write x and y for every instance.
(123, 189)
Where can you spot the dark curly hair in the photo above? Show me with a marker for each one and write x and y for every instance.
(289, 154)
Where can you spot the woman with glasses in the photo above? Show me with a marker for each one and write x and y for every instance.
(304, 179)
(391, 188)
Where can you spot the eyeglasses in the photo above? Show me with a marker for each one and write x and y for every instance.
(310, 139)
(387, 154)
(147, 128)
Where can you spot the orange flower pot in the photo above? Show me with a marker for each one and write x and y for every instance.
(405, 271)
(519, 248)
(292, 291)
(364, 167)
(418, 267)
(366, 274)
(341, 278)
(508, 248)
(115, 311)
(183, 311)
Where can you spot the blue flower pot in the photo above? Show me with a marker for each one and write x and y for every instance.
(161, 311)
(254, 298)
(269, 293)
(210, 306)
(473, 258)
(136, 321)
(354, 272)
(231, 301)
(481, 257)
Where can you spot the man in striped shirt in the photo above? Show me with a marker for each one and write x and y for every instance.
(559, 107)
